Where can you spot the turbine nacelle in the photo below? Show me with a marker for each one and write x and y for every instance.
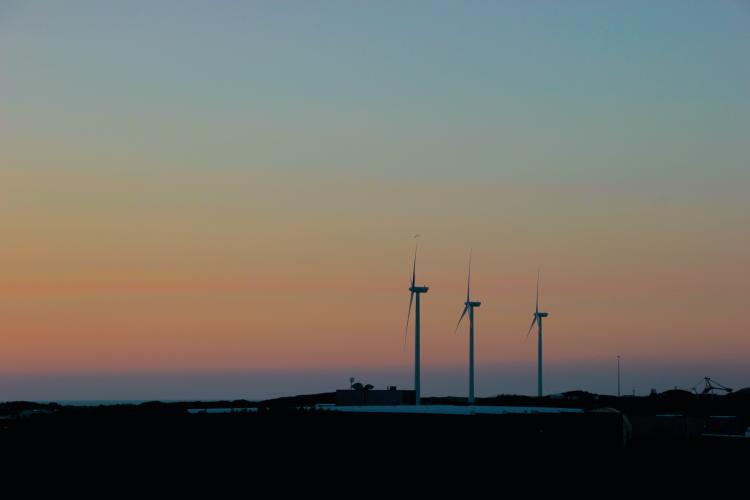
(541, 315)
(418, 289)
(470, 303)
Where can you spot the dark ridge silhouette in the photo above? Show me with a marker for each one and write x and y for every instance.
(290, 433)
(662, 420)
(301, 400)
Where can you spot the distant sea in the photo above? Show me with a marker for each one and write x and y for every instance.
(104, 402)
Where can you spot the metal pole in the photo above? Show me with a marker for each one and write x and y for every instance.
(471, 355)
(618, 375)
(539, 388)
(416, 353)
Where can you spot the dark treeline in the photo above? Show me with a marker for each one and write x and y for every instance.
(289, 434)
(673, 420)
(675, 402)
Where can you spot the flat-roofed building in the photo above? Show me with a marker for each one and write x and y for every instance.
(374, 397)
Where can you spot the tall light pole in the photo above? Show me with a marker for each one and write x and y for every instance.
(618, 375)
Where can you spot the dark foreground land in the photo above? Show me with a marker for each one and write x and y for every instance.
(290, 431)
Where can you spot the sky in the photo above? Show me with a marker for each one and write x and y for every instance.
(219, 199)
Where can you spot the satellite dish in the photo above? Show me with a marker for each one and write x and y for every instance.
(369, 387)
(357, 387)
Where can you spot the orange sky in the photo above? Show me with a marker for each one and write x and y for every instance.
(159, 271)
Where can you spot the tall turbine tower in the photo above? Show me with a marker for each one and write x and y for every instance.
(469, 306)
(415, 290)
(538, 319)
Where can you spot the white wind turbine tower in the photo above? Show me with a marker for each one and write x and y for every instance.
(469, 306)
(538, 319)
(415, 290)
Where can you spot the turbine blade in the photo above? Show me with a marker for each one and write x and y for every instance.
(533, 322)
(414, 267)
(468, 283)
(408, 315)
(413, 284)
(466, 308)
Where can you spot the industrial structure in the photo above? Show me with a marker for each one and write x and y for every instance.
(359, 395)
(538, 320)
(469, 306)
(711, 386)
(415, 290)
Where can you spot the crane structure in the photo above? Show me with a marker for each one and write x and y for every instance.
(711, 386)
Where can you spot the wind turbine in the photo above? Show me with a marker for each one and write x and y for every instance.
(415, 290)
(469, 306)
(538, 319)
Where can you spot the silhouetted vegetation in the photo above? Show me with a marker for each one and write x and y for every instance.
(625, 425)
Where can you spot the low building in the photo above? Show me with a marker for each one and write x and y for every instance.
(411, 409)
(374, 397)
